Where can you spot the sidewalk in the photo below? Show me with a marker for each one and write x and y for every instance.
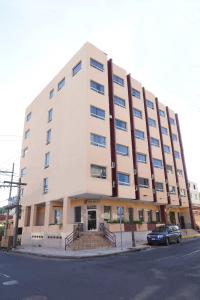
(69, 254)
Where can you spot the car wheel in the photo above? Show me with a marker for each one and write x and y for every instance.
(167, 242)
(178, 240)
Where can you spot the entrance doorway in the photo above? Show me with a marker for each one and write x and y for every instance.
(92, 219)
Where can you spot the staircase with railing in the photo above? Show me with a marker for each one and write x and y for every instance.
(108, 234)
(79, 240)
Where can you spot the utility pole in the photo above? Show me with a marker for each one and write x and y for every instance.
(10, 193)
(17, 205)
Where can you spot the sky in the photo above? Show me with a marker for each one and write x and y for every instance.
(156, 41)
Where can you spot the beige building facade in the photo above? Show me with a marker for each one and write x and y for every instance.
(95, 141)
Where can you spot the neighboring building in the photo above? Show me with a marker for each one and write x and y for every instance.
(96, 140)
(195, 199)
(194, 193)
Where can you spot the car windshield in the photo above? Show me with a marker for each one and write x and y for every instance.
(159, 229)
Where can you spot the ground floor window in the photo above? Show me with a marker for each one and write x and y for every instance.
(107, 213)
(149, 216)
(58, 216)
(172, 217)
(130, 215)
(157, 216)
(141, 215)
(120, 213)
(77, 214)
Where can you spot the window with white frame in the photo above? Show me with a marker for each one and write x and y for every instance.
(123, 179)
(47, 160)
(121, 149)
(97, 87)
(45, 185)
(98, 171)
(97, 140)
(76, 69)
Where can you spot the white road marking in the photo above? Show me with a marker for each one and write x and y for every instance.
(4, 275)
(10, 282)
(193, 252)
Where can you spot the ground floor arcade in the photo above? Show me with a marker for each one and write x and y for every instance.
(52, 221)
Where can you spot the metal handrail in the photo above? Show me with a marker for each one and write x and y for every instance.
(108, 234)
(75, 234)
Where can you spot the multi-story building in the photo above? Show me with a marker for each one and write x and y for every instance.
(195, 200)
(96, 140)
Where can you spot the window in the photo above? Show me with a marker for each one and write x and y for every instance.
(174, 137)
(179, 172)
(45, 185)
(137, 113)
(97, 112)
(23, 172)
(123, 179)
(172, 121)
(50, 115)
(122, 150)
(166, 149)
(141, 215)
(27, 134)
(164, 130)
(118, 80)
(136, 93)
(169, 169)
(161, 113)
(172, 189)
(61, 84)
(177, 154)
(107, 213)
(130, 215)
(157, 163)
(98, 171)
(139, 134)
(149, 216)
(155, 142)
(58, 216)
(159, 186)
(141, 157)
(151, 122)
(120, 124)
(47, 159)
(76, 69)
(24, 152)
(183, 192)
(51, 93)
(97, 65)
(28, 117)
(150, 104)
(157, 216)
(143, 182)
(97, 87)
(77, 214)
(120, 213)
(119, 101)
(97, 140)
(48, 136)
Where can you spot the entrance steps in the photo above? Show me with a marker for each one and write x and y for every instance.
(90, 240)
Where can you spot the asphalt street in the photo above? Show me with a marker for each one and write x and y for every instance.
(171, 273)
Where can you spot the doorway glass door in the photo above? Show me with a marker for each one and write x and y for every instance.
(92, 220)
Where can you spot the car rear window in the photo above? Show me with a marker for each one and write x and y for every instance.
(159, 229)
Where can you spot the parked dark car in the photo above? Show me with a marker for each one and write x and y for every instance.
(165, 234)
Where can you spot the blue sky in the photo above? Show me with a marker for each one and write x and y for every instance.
(156, 41)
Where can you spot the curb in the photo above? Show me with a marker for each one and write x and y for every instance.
(80, 256)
